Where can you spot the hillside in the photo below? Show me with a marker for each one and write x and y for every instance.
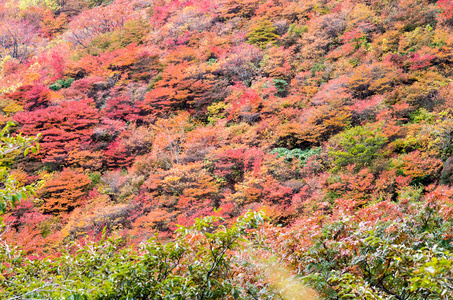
(326, 126)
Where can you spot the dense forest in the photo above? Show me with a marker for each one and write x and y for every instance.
(226, 149)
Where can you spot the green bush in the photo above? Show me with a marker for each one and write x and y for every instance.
(414, 262)
(195, 265)
(357, 146)
(280, 84)
(61, 84)
(301, 155)
(10, 193)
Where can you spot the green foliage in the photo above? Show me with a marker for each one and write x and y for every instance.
(280, 84)
(357, 146)
(153, 81)
(196, 265)
(95, 177)
(405, 259)
(297, 29)
(302, 155)
(421, 115)
(319, 67)
(435, 274)
(93, 3)
(133, 32)
(212, 61)
(10, 192)
(61, 84)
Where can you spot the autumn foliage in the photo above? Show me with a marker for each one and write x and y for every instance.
(64, 191)
(334, 118)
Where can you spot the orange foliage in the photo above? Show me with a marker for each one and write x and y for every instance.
(64, 191)
(52, 26)
(420, 166)
(316, 126)
(176, 90)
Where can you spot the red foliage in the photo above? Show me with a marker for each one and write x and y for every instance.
(446, 7)
(177, 90)
(232, 163)
(53, 64)
(36, 98)
(149, 77)
(364, 109)
(83, 88)
(122, 108)
(117, 155)
(32, 97)
(63, 128)
(246, 104)
(419, 61)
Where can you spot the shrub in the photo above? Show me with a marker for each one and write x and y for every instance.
(61, 84)
(197, 265)
(262, 33)
(302, 155)
(359, 145)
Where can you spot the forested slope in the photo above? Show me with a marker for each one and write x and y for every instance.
(331, 118)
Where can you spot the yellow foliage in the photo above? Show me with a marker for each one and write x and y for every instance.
(3, 61)
(414, 40)
(97, 211)
(386, 42)
(171, 179)
(360, 13)
(32, 74)
(9, 87)
(11, 107)
(24, 4)
(20, 176)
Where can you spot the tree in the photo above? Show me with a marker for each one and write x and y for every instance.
(241, 63)
(117, 155)
(18, 39)
(64, 191)
(380, 251)
(262, 33)
(177, 89)
(446, 7)
(376, 78)
(238, 8)
(63, 128)
(358, 146)
(170, 135)
(53, 26)
(32, 97)
(27, 4)
(122, 108)
(99, 20)
(245, 104)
